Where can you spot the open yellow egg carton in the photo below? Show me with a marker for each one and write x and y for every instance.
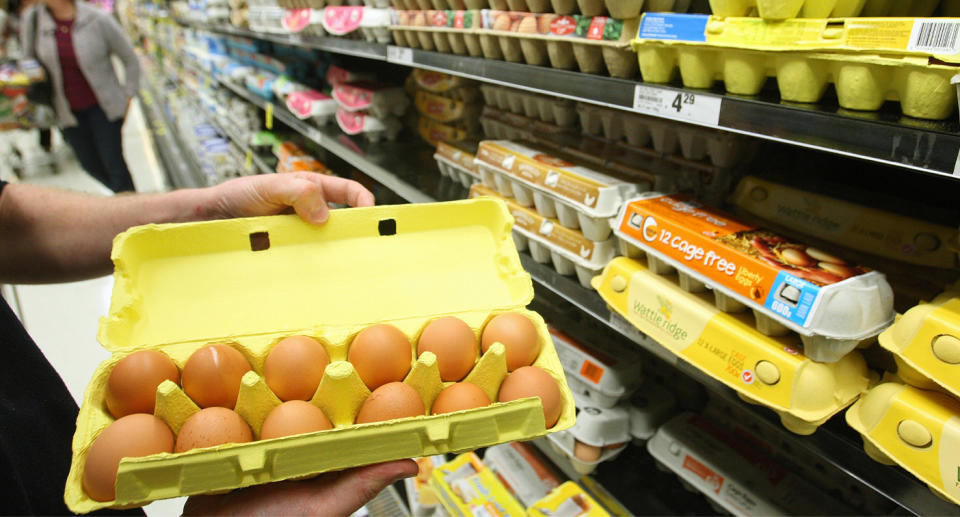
(781, 10)
(916, 429)
(251, 282)
(767, 370)
(858, 56)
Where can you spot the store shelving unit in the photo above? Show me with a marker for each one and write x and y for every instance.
(927, 147)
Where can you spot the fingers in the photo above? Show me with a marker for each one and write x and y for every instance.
(305, 196)
(355, 487)
(342, 190)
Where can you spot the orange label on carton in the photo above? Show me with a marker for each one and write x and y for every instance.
(548, 172)
(779, 274)
(458, 156)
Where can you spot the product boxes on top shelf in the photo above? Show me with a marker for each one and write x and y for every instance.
(869, 61)
(252, 271)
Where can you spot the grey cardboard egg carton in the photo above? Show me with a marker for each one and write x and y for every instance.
(621, 9)
(667, 137)
(561, 112)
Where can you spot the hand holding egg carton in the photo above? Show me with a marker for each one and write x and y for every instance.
(370, 108)
(483, 368)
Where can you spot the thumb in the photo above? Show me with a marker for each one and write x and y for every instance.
(356, 487)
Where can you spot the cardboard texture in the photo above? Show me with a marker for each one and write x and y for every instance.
(179, 287)
(915, 429)
(783, 9)
(834, 305)
(863, 80)
(771, 371)
(925, 342)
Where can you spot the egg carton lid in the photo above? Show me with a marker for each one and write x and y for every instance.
(208, 281)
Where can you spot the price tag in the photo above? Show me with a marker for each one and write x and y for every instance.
(400, 55)
(693, 107)
(248, 161)
(268, 121)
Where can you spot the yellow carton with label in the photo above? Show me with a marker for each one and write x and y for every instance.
(915, 429)
(467, 487)
(766, 370)
(251, 282)
(567, 500)
(925, 342)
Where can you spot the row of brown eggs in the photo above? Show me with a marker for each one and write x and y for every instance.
(293, 369)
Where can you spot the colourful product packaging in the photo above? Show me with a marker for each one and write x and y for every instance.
(568, 500)
(467, 488)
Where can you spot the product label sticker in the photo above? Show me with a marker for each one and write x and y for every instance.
(295, 20)
(351, 122)
(343, 19)
(698, 108)
(714, 481)
(673, 26)
(792, 298)
(353, 97)
(673, 322)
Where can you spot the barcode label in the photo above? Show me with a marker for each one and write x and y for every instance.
(591, 371)
(935, 36)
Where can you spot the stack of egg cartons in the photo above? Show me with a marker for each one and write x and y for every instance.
(615, 405)
(447, 107)
(562, 206)
(911, 418)
(367, 107)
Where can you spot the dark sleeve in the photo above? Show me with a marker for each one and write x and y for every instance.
(2, 184)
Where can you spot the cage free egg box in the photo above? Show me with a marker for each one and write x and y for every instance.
(179, 287)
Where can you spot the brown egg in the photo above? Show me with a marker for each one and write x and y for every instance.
(294, 417)
(518, 335)
(528, 25)
(460, 396)
(212, 426)
(132, 384)
(587, 453)
(455, 345)
(501, 23)
(391, 401)
(212, 375)
(530, 381)
(132, 436)
(380, 354)
(294, 367)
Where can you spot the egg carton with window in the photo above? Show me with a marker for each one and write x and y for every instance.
(579, 197)
(243, 264)
(569, 251)
(368, 22)
(735, 474)
(667, 137)
(599, 435)
(599, 374)
(765, 370)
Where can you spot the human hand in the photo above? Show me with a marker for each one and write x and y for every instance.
(334, 493)
(307, 192)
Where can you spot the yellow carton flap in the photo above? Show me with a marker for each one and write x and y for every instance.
(444, 258)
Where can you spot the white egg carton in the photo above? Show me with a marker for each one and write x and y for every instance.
(373, 128)
(608, 429)
(561, 112)
(379, 100)
(371, 22)
(568, 250)
(579, 197)
(650, 407)
(740, 479)
(598, 374)
(311, 104)
(528, 474)
(456, 164)
(666, 136)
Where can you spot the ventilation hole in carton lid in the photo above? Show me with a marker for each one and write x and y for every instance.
(259, 241)
(387, 227)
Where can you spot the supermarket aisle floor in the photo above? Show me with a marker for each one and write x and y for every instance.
(63, 318)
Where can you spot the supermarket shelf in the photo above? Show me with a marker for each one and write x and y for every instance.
(379, 161)
(350, 47)
(401, 166)
(885, 137)
(179, 163)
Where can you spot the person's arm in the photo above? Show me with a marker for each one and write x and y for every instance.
(121, 47)
(54, 236)
(336, 493)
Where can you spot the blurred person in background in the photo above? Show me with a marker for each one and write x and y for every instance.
(75, 41)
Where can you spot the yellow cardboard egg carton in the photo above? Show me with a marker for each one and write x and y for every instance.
(783, 9)
(925, 342)
(915, 429)
(567, 499)
(467, 488)
(251, 282)
(766, 370)
(848, 224)
(864, 79)
(549, 242)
